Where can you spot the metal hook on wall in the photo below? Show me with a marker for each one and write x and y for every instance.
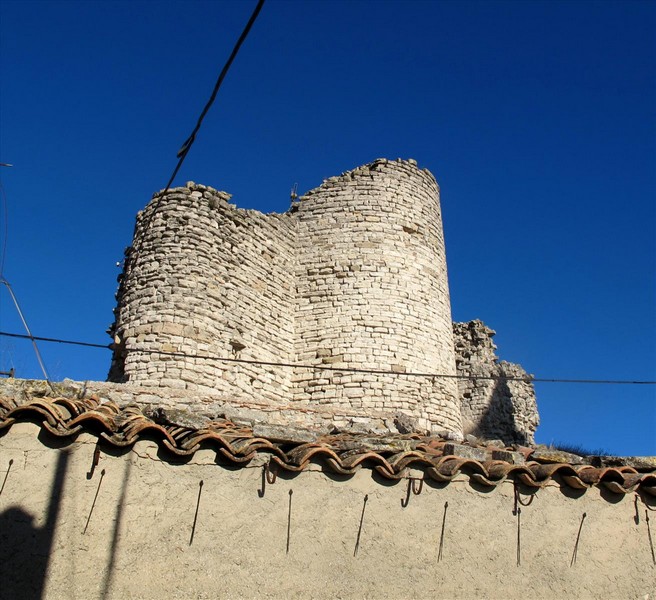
(11, 462)
(193, 527)
(578, 538)
(357, 541)
(440, 552)
(94, 460)
(268, 476)
(651, 541)
(93, 504)
(518, 500)
(414, 486)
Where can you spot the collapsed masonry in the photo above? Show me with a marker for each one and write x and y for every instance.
(348, 290)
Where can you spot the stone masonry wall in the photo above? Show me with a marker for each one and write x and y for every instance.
(373, 293)
(353, 277)
(492, 408)
(207, 278)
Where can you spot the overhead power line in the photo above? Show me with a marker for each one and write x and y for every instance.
(186, 146)
(184, 150)
(265, 363)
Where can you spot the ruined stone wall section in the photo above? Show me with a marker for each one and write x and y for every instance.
(353, 276)
(207, 278)
(492, 408)
(372, 293)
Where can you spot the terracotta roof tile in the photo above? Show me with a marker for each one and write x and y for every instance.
(391, 456)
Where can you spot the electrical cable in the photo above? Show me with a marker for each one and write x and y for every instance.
(331, 368)
(186, 146)
(184, 150)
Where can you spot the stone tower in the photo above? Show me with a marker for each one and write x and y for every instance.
(353, 277)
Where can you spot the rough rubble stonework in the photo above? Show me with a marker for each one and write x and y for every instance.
(353, 276)
(492, 408)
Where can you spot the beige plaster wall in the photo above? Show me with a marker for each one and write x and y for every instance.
(137, 542)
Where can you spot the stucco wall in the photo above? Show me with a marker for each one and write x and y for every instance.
(137, 540)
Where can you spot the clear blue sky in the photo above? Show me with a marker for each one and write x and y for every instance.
(537, 119)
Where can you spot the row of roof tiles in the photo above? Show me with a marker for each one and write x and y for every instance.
(392, 456)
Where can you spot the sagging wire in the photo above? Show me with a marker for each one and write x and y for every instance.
(186, 146)
(334, 369)
(414, 486)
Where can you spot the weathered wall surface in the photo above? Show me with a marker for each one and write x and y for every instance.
(354, 276)
(373, 293)
(492, 408)
(211, 279)
(126, 533)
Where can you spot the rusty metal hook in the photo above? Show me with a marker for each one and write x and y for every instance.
(647, 507)
(11, 462)
(268, 476)
(93, 504)
(519, 501)
(578, 538)
(94, 461)
(193, 527)
(414, 486)
(440, 552)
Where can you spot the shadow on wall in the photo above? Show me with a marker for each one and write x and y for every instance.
(24, 548)
(118, 519)
(498, 421)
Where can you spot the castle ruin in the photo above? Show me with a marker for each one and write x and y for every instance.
(344, 299)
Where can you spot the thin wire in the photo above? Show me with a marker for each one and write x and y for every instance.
(326, 367)
(357, 541)
(184, 150)
(29, 333)
(46, 339)
(186, 146)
